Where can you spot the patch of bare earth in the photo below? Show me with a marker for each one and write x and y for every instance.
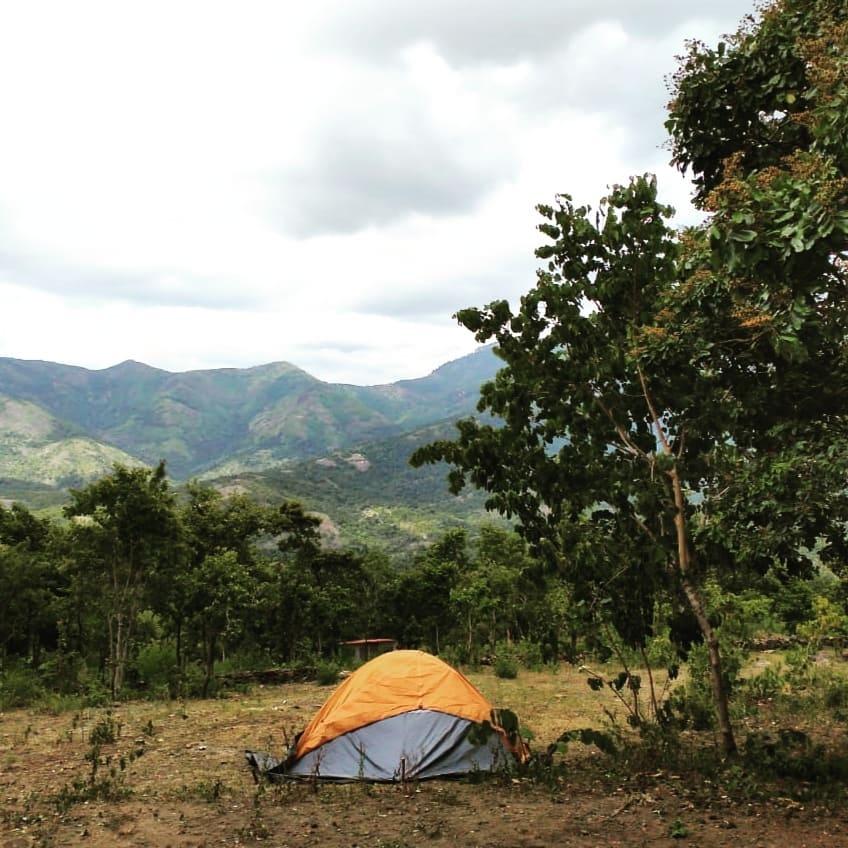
(191, 787)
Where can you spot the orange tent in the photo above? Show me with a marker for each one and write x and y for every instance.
(404, 714)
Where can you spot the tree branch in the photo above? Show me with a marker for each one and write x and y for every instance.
(628, 443)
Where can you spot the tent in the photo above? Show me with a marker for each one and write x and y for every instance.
(403, 715)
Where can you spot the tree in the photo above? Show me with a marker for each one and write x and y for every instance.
(664, 375)
(221, 590)
(125, 528)
(224, 573)
(422, 595)
(29, 583)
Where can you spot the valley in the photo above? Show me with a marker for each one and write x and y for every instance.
(273, 432)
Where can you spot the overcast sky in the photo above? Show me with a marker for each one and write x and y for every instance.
(208, 184)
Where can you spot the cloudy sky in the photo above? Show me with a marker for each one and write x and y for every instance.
(208, 184)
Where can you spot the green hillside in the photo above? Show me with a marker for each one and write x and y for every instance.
(227, 418)
(371, 495)
(37, 448)
(273, 431)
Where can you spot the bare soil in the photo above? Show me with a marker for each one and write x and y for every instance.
(191, 787)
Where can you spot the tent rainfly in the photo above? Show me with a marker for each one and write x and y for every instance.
(403, 715)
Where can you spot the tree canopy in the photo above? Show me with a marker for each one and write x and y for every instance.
(687, 388)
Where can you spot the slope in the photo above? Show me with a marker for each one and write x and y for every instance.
(253, 417)
(371, 495)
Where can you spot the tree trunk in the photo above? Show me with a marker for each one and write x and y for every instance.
(178, 627)
(210, 663)
(110, 621)
(690, 589)
(119, 655)
(696, 603)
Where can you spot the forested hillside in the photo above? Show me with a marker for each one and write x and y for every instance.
(61, 424)
(371, 495)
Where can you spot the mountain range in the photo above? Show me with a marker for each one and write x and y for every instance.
(274, 430)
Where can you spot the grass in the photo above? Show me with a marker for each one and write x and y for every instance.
(192, 780)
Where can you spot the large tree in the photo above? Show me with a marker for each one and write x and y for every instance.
(688, 389)
(29, 583)
(125, 529)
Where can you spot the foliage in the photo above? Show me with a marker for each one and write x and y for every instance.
(768, 684)
(692, 702)
(506, 662)
(106, 731)
(678, 830)
(19, 687)
(604, 742)
(674, 399)
(254, 583)
(157, 669)
(127, 529)
(327, 673)
(829, 620)
(791, 753)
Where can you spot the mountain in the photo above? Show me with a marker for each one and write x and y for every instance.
(61, 424)
(370, 494)
(38, 448)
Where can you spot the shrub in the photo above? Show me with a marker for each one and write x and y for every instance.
(106, 731)
(156, 667)
(506, 661)
(453, 656)
(191, 683)
(64, 672)
(767, 684)
(692, 703)
(19, 687)
(327, 672)
(530, 654)
(836, 694)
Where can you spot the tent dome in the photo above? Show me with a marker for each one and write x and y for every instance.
(404, 714)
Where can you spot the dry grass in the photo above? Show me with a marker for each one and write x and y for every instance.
(191, 787)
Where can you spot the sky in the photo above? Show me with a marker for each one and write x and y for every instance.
(224, 184)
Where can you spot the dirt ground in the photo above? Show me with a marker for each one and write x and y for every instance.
(191, 787)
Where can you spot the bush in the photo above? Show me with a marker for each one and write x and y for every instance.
(191, 683)
(156, 667)
(836, 694)
(19, 687)
(767, 684)
(106, 731)
(64, 672)
(530, 654)
(692, 703)
(506, 662)
(453, 656)
(327, 672)
(790, 753)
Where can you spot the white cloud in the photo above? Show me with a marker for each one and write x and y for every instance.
(216, 183)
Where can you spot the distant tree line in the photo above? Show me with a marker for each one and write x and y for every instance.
(145, 590)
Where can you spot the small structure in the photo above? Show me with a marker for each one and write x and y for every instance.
(362, 650)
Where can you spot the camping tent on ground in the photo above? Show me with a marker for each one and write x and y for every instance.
(403, 715)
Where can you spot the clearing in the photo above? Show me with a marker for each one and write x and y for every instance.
(191, 786)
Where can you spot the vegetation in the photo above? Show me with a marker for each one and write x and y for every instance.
(146, 593)
(371, 497)
(61, 425)
(672, 401)
(152, 768)
(145, 590)
(670, 438)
